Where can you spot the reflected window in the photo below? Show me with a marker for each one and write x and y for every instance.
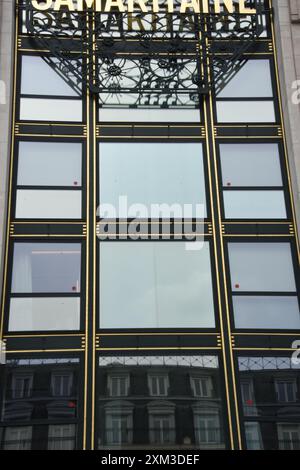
(61, 437)
(118, 385)
(152, 176)
(272, 381)
(160, 407)
(17, 438)
(286, 390)
(22, 385)
(289, 436)
(202, 387)
(61, 384)
(155, 285)
(158, 385)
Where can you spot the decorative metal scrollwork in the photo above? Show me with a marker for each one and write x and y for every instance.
(164, 60)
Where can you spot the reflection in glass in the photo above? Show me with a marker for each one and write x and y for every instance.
(38, 437)
(155, 285)
(148, 115)
(254, 204)
(46, 267)
(261, 267)
(172, 416)
(152, 173)
(274, 396)
(44, 313)
(48, 204)
(250, 165)
(266, 312)
(245, 111)
(49, 164)
(40, 390)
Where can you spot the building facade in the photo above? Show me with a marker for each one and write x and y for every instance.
(149, 209)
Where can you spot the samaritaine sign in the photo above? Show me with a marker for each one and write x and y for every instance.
(146, 6)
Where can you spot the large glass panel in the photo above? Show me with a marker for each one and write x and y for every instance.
(43, 109)
(261, 267)
(266, 312)
(148, 115)
(44, 313)
(39, 78)
(245, 111)
(271, 410)
(254, 204)
(48, 204)
(177, 419)
(242, 86)
(40, 389)
(46, 267)
(38, 437)
(151, 174)
(49, 164)
(250, 165)
(155, 285)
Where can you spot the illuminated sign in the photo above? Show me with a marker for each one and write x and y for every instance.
(146, 6)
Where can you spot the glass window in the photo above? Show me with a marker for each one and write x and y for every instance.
(265, 312)
(259, 86)
(162, 411)
(155, 285)
(43, 109)
(271, 430)
(254, 204)
(61, 437)
(17, 438)
(44, 313)
(261, 267)
(49, 164)
(40, 389)
(202, 387)
(48, 204)
(46, 267)
(39, 78)
(250, 165)
(246, 111)
(118, 385)
(152, 173)
(148, 115)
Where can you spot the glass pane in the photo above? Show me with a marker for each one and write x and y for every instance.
(266, 312)
(273, 431)
(38, 78)
(148, 115)
(250, 165)
(48, 204)
(41, 405)
(155, 285)
(152, 174)
(245, 111)
(61, 437)
(261, 267)
(259, 86)
(141, 421)
(254, 204)
(46, 267)
(49, 164)
(44, 313)
(34, 109)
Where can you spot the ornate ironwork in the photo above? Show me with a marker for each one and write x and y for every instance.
(164, 60)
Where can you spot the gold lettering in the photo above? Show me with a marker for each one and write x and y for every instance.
(141, 3)
(228, 4)
(245, 10)
(190, 5)
(64, 3)
(42, 7)
(114, 3)
(82, 4)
